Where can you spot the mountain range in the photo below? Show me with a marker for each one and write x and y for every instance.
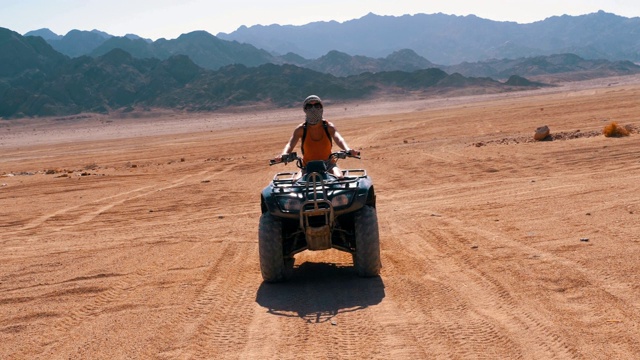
(598, 36)
(373, 43)
(43, 73)
(449, 39)
(36, 80)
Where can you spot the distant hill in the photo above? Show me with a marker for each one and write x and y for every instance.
(545, 65)
(138, 48)
(203, 48)
(512, 55)
(342, 64)
(77, 43)
(45, 34)
(450, 39)
(210, 52)
(39, 81)
(32, 55)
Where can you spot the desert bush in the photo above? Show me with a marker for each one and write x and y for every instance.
(615, 130)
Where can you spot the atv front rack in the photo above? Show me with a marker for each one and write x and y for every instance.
(292, 179)
(316, 213)
(318, 207)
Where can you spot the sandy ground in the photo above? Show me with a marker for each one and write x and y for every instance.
(136, 238)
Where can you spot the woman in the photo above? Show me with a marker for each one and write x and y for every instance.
(317, 135)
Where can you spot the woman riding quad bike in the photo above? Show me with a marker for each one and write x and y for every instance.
(318, 209)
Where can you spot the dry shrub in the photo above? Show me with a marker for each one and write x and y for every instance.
(615, 130)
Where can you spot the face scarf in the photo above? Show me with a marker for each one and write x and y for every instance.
(314, 115)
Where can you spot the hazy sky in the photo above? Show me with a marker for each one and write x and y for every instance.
(169, 18)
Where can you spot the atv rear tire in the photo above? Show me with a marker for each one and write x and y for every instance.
(367, 256)
(272, 263)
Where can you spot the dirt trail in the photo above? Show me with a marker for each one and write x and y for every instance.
(141, 240)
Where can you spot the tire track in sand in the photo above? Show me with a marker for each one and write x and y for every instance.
(63, 327)
(224, 330)
(215, 323)
(432, 282)
(325, 311)
(84, 213)
(546, 331)
(88, 215)
(118, 289)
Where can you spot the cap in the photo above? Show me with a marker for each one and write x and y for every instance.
(311, 98)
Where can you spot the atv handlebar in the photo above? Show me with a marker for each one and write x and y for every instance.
(344, 154)
(291, 157)
(286, 158)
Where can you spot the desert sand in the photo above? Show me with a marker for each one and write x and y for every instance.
(136, 237)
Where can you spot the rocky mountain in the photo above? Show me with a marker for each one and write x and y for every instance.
(77, 43)
(199, 71)
(449, 39)
(543, 66)
(29, 55)
(36, 80)
(203, 48)
(138, 48)
(45, 34)
(341, 64)
(211, 52)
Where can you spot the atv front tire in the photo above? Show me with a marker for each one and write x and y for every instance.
(272, 263)
(367, 256)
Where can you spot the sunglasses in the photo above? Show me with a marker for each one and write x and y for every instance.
(316, 105)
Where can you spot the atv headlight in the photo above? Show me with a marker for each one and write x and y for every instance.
(289, 204)
(342, 199)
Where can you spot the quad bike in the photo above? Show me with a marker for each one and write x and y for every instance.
(318, 211)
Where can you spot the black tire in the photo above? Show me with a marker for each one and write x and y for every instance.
(272, 264)
(367, 257)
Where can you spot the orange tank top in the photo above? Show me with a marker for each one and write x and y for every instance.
(316, 143)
